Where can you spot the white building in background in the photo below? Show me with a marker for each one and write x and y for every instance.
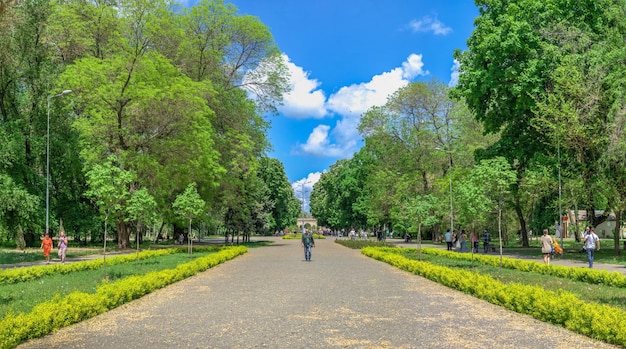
(603, 230)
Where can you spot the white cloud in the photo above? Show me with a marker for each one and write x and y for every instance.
(358, 98)
(454, 76)
(303, 188)
(305, 99)
(413, 67)
(429, 24)
(350, 102)
(319, 144)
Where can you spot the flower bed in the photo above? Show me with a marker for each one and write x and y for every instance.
(561, 308)
(78, 306)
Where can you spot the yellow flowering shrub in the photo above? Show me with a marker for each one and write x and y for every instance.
(78, 306)
(562, 308)
(592, 276)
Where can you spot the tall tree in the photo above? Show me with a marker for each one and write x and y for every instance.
(284, 204)
(508, 68)
(189, 205)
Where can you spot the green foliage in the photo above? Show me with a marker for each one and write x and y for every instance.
(17, 206)
(142, 207)
(359, 244)
(189, 204)
(284, 204)
(109, 186)
(298, 236)
(592, 276)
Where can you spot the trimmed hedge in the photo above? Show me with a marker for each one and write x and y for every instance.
(78, 306)
(299, 236)
(20, 274)
(561, 308)
(592, 276)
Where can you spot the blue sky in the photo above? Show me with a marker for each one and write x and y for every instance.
(346, 56)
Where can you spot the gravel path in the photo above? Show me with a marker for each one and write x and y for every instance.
(271, 298)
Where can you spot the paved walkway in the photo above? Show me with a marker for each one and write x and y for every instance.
(271, 298)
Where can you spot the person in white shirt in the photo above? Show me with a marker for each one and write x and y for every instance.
(592, 244)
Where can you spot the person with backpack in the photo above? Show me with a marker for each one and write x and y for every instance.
(486, 239)
(307, 243)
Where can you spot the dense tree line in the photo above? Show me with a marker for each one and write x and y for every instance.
(168, 95)
(538, 115)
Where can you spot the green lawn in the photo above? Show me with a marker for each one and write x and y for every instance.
(23, 296)
(12, 256)
(612, 296)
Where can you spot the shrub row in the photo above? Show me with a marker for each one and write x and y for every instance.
(561, 308)
(299, 236)
(79, 306)
(359, 244)
(592, 276)
(21, 274)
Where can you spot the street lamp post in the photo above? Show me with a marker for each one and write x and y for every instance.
(303, 202)
(48, 158)
(558, 150)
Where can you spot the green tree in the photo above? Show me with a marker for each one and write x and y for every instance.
(284, 204)
(189, 205)
(487, 187)
(109, 187)
(17, 206)
(420, 209)
(509, 65)
(141, 209)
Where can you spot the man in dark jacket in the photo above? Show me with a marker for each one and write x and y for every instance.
(307, 243)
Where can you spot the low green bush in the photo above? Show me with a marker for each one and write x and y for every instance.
(561, 308)
(299, 236)
(20, 274)
(359, 244)
(592, 276)
(78, 306)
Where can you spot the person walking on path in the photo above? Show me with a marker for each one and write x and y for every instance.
(546, 246)
(592, 243)
(307, 243)
(474, 239)
(463, 240)
(448, 237)
(46, 244)
(62, 246)
(486, 239)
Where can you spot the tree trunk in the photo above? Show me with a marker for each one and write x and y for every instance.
(123, 235)
(616, 234)
(522, 223)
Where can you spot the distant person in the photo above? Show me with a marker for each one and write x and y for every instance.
(62, 246)
(307, 243)
(463, 240)
(448, 237)
(486, 240)
(592, 244)
(474, 239)
(47, 244)
(546, 246)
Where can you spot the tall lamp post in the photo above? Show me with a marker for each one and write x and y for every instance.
(558, 150)
(303, 202)
(48, 158)
(450, 176)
